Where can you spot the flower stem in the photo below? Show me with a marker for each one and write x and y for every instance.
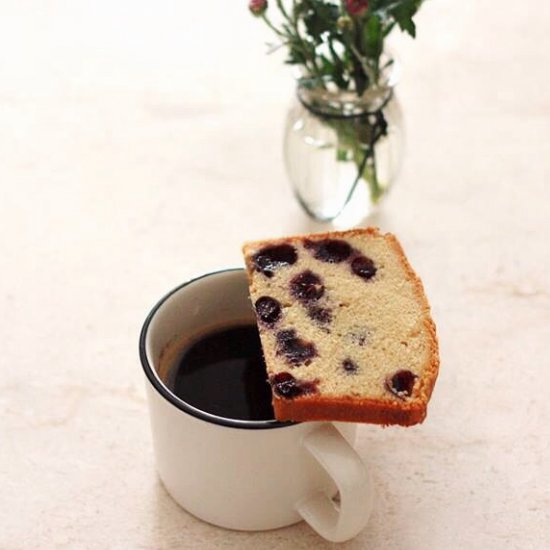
(293, 21)
(282, 9)
(359, 75)
(273, 27)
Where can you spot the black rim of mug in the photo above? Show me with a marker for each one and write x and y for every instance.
(176, 401)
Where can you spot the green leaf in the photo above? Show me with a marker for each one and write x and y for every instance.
(388, 29)
(403, 13)
(375, 5)
(407, 24)
(372, 37)
(296, 53)
(320, 18)
(327, 67)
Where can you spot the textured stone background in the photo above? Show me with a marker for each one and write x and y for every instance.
(140, 143)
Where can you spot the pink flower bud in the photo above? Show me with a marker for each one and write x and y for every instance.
(356, 7)
(257, 7)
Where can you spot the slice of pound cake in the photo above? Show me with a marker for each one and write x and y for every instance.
(345, 327)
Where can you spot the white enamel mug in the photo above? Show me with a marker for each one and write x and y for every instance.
(242, 474)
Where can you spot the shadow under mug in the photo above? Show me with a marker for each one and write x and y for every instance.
(243, 474)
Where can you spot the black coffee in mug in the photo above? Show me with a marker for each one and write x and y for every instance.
(223, 373)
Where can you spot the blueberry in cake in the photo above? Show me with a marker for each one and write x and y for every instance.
(345, 327)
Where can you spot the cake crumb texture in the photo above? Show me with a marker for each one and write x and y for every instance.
(345, 327)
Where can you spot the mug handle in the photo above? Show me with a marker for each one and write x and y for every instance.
(333, 522)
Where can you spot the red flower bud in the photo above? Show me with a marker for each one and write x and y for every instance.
(257, 7)
(356, 7)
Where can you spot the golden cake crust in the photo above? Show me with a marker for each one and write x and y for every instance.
(353, 408)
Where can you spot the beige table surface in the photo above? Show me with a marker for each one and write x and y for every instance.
(140, 144)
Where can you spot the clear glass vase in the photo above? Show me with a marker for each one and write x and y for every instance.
(342, 150)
